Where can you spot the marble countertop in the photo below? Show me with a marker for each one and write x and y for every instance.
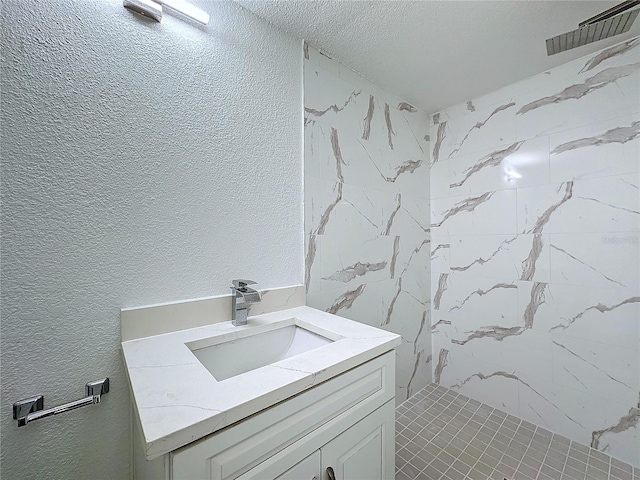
(177, 400)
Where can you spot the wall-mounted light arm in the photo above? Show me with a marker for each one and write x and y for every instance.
(147, 8)
(153, 9)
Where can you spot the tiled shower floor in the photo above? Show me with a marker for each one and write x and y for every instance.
(443, 435)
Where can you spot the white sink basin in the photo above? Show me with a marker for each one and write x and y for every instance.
(234, 357)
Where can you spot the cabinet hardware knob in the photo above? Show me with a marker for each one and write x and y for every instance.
(331, 474)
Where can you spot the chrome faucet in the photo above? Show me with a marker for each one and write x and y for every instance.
(242, 297)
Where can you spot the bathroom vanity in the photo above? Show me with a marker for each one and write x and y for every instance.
(294, 394)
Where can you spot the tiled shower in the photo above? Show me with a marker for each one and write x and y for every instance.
(536, 289)
(499, 237)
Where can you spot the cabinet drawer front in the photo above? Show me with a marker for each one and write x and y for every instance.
(238, 448)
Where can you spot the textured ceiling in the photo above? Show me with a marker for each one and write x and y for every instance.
(435, 54)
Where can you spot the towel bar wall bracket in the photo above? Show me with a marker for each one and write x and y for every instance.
(30, 409)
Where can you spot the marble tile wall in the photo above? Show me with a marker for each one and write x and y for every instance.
(535, 219)
(366, 183)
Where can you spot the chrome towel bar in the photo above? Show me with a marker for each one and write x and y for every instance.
(30, 409)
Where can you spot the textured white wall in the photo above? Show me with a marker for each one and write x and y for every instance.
(141, 163)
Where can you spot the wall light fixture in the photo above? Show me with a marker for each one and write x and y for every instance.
(153, 9)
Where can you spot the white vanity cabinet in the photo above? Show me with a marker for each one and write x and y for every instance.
(362, 452)
(342, 428)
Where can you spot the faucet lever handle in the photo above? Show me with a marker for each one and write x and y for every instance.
(242, 284)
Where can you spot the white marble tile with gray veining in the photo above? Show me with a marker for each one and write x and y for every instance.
(615, 56)
(402, 173)
(405, 128)
(545, 403)
(339, 157)
(605, 424)
(332, 208)
(407, 313)
(507, 332)
(607, 314)
(393, 121)
(408, 216)
(597, 150)
(490, 101)
(513, 257)
(439, 179)
(518, 164)
(594, 259)
(348, 261)
(481, 303)
(312, 262)
(595, 96)
(590, 367)
(319, 59)
(479, 130)
(411, 264)
(403, 297)
(440, 253)
(442, 298)
(621, 434)
(541, 320)
(528, 353)
(440, 342)
(484, 381)
(609, 204)
(332, 102)
(367, 215)
(418, 126)
(486, 213)
(362, 303)
(352, 160)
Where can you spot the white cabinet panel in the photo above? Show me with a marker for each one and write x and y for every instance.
(365, 451)
(307, 469)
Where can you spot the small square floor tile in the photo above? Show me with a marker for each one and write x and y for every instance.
(446, 436)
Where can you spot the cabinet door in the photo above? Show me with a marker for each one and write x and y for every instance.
(365, 451)
(307, 469)
(279, 467)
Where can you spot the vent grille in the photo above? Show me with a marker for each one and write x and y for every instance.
(592, 33)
